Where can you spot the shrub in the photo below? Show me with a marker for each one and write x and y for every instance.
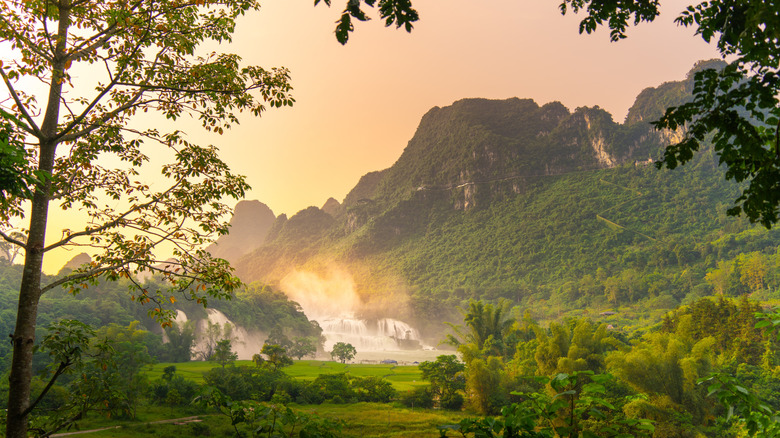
(419, 397)
(199, 429)
(373, 389)
(160, 389)
(334, 387)
(453, 403)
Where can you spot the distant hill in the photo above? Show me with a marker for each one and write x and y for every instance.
(77, 261)
(249, 227)
(332, 207)
(554, 209)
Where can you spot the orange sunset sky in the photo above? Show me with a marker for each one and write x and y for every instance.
(358, 105)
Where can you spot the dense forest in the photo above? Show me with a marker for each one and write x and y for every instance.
(109, 304)
(708, 368)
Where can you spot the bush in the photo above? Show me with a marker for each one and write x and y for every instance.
(373, 389)
(334, 387)
(419, 397)
(199, 429)
(235, 382)
(160, 389)
(341, 388)
(453, 403)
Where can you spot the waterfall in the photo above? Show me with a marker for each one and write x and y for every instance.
(181, 317)
(384, 334)
(333, 302)
(244, 343)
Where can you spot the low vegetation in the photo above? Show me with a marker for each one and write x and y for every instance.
(709, 368)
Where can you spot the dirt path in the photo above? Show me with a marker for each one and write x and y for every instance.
(172, 420)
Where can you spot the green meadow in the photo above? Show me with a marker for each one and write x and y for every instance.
(403, 377)
(360, 419)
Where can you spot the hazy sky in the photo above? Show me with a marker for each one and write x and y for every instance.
(358, 105)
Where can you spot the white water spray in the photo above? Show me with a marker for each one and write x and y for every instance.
(334, 304)
(244, 343)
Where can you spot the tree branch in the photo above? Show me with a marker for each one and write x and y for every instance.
(104, 118)
(77, 120)
(27, 42)
(60, 369)
(32, 128)
(190, 90)
(82, 276)
(109, 224)
(10, 239)
(99, 38)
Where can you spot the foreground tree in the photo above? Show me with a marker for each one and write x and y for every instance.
(303, 346)
(146, 52)
(223, 353)
(737, 108)
(447, 378)
(140, 55)
(277, 357)
(485, 327)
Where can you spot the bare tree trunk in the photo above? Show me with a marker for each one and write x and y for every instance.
(27, 312)
(30, 289)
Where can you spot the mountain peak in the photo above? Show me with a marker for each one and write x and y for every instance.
(332, 207)
(248, 230)
(77, 261)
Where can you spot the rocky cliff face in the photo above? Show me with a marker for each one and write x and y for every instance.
(249, 227)
(468, 156)
(480, 149)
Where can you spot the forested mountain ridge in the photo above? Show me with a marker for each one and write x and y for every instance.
(551, 208)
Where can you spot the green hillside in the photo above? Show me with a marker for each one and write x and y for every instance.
(553, 209)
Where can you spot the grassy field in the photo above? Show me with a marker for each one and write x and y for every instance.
(403, 378)
(376, 420)
(362, 420)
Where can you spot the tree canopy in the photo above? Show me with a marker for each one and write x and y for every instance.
(83, 151)
(343, 351)
(736, 108)
(79, 144)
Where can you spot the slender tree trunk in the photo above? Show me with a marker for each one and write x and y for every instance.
(29, 293)
(23, 338)
(27, 312)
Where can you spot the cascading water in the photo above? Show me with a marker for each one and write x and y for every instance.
(333, 303)
(384, 334)
(244, 343)
(181, 317)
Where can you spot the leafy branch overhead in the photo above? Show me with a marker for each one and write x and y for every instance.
(79, 146)
(736, 108)
(146, 57)
(394, 12)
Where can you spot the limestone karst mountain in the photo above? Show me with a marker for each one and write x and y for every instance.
(77, 261)
(249, 227)
(332, 207)
(546, 206)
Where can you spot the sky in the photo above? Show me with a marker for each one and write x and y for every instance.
(358, 105)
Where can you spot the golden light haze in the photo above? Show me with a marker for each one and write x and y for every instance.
(358, 105)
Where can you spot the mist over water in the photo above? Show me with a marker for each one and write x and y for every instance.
(333, 302)
(245, 343)
(323, 297)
